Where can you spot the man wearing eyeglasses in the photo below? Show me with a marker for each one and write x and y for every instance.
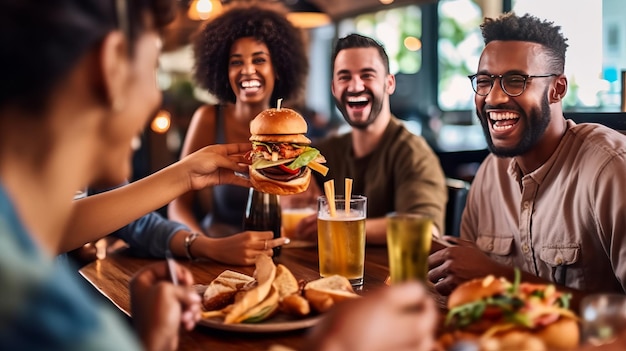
(549, 199)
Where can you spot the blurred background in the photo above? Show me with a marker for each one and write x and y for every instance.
(433, 46)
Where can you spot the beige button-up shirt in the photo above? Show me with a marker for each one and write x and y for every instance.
(565, 221)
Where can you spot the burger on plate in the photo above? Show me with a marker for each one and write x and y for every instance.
(281, 155)
(499, 315)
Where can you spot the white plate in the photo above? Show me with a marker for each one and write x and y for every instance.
(278, 323)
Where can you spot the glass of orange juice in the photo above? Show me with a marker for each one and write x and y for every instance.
(291, 217)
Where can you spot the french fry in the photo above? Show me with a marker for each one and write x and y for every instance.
(338, 242)
(348, 191)
(318, 167)
(329, 190)
(212, 314)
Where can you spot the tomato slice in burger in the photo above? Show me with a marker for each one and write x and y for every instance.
(288, 170)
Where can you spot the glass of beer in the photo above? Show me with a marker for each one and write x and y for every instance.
(408, 244)
(341, 237)
(293, 211)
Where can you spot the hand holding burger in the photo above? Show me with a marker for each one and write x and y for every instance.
(281, 156)
(501, 315)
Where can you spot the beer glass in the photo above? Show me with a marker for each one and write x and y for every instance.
(341, 238)
(408, 245)
(294, 210)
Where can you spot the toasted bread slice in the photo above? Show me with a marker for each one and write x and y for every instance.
(323, 293)
(221, 291)
(284, 282)
(265, 274)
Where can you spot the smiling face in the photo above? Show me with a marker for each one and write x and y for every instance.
(361, 86)
(514, 125)
(250, 71)
(141, 100)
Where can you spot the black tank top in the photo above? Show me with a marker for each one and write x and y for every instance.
(229, 201)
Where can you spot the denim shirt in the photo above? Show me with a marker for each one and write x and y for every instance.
(148, 236)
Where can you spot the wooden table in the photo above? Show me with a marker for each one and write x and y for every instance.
(112, 274)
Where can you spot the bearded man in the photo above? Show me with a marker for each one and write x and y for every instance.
(548, 199)
(395, 169)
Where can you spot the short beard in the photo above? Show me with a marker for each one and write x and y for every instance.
(538, 122)
(377, 106)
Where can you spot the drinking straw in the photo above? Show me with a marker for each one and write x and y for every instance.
(329, 190)
(348, 194)
(338, 242)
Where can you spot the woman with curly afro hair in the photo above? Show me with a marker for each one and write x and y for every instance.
(248, 57)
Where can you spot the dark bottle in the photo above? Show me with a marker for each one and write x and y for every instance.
(263, 213)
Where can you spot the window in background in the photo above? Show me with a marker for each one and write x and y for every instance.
(596, 55)
(400, 32)
(459, 47)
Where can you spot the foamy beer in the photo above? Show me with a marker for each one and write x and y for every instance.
(408, 244)
(341, 238)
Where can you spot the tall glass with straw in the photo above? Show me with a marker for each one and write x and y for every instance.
(341, 233)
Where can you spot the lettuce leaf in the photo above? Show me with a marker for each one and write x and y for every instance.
(304, 158)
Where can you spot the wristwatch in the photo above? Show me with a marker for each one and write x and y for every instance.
(191, 237)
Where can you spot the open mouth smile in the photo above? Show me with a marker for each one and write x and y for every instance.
(251, 85)
(357, 102)
(502, 121)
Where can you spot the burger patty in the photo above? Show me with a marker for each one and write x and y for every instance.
(276, 173)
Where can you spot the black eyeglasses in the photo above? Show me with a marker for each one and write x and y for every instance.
(513, 84)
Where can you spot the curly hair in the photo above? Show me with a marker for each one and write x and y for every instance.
(531, 29)
(213, 43)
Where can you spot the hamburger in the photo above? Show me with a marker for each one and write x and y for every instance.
(281, 155)
(500, 315)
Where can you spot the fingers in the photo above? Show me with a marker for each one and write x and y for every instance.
(240, 148)
(445, 286)
(278, 242)
(458, 241)
(226, 163)
(240, 159)
(190, 307)
(265, 241)
(437, 259)
(228, 177)
(228, 149)
(185, 277)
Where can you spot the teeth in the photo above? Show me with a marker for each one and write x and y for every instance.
(498, 120)
(250, 84)
(357, 99)
(501, 128)
(501, 116)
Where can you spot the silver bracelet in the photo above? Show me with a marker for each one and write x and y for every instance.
(191, 237)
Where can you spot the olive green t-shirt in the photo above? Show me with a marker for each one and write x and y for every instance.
(403, 174)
